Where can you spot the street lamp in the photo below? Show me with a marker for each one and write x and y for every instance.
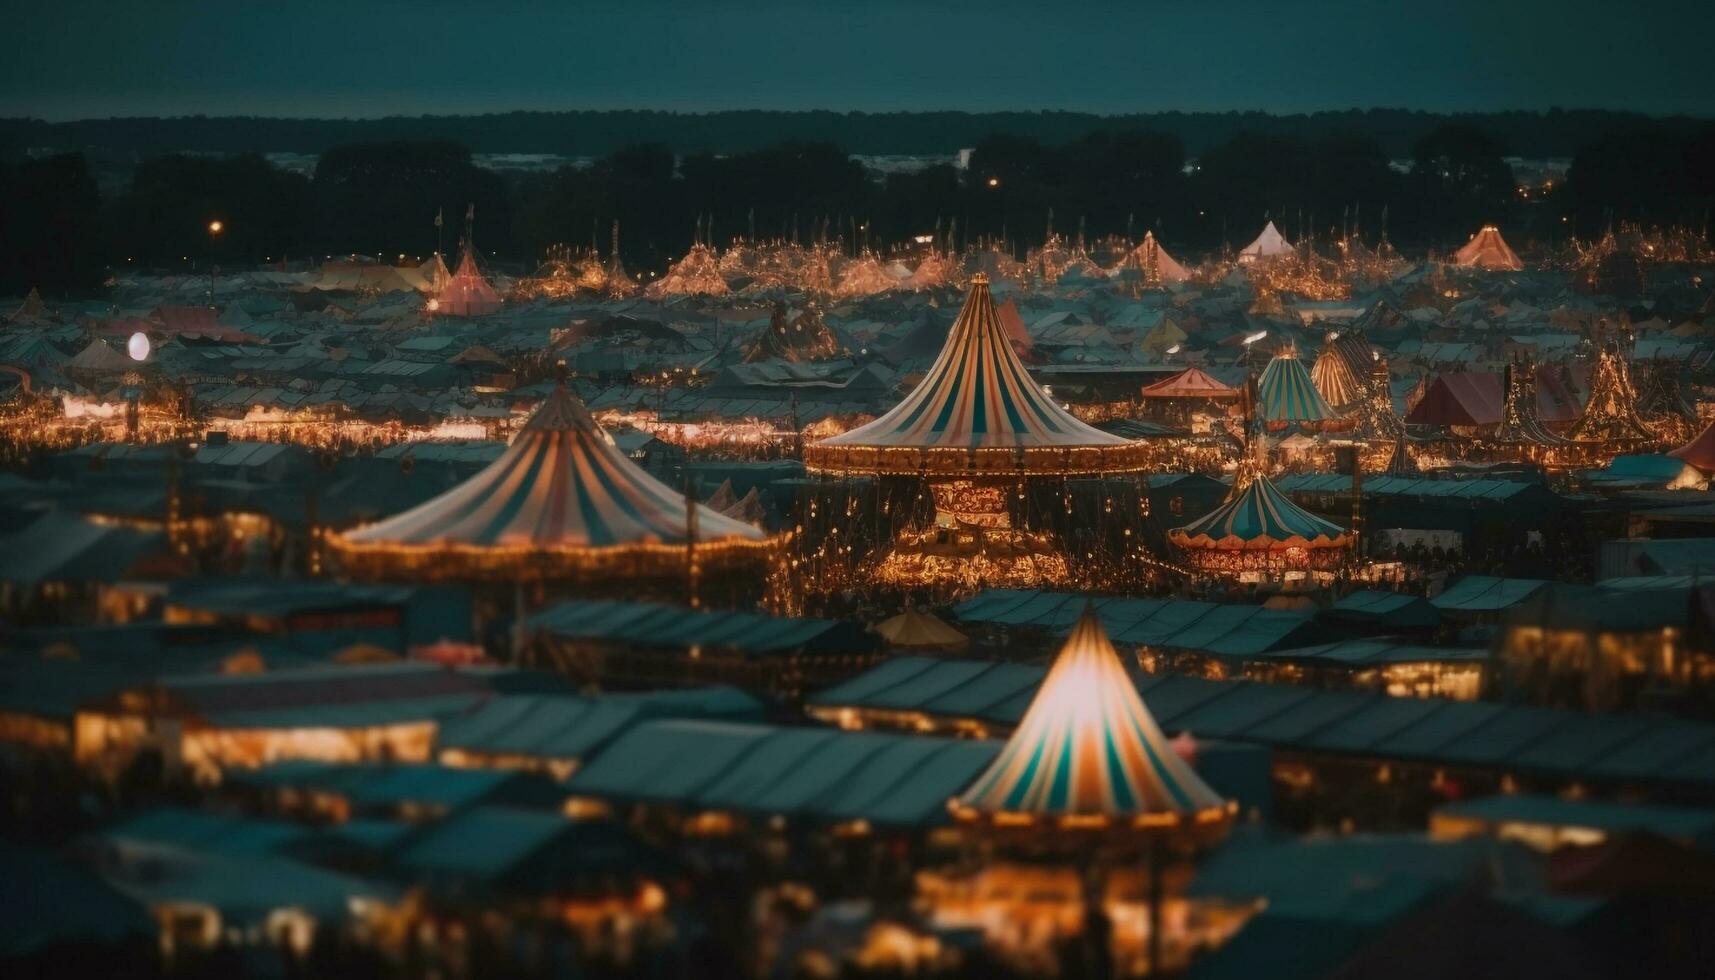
(215, 227)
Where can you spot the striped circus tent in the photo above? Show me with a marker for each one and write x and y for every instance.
(1336, 376)
(1287, 394)
(562, 500)
(976, 412)
(1261, 523)
(1089, 754)
(1191, 383)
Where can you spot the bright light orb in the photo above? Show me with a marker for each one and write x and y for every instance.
(434, 304)
(216, 226)
(138, 346)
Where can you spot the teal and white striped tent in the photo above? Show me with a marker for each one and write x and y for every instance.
(1258, 520)
(1089, 754)
(977, 409)
(562, 498)
(1286, 394)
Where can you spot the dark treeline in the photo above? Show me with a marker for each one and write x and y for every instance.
(1554, 133)
(381, 198)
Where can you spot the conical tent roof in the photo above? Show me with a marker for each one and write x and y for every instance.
(697, 274)
(977, 400)
(1267, 245)
(1286, 393)
(560, 485)
(1149, 258)
(1334, 378)
(1488, 250)
(863, 276)
(921, 631)
(100, 356)
(1089, 748)
(467, 293)
(1259, 518)
(435, 273)
(1191, 383)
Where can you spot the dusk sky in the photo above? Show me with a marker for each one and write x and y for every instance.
(91, 58)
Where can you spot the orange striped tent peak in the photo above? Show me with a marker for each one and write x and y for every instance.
(976, 412)
(560, 487)
(1089, 754)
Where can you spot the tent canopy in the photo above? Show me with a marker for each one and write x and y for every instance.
(1087, 746)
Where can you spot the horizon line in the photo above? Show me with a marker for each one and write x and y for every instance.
(1274, 113)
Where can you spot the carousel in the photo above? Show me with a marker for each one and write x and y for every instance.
(977, 430)
(1086, 794)
(564, 507)
(1260, 535)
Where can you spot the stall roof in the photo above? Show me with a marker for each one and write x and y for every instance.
(1372, 653)
(1669, 821)
(1402, 486)
(1486, 593)
(1222, 629)
(1475, 733)
(660, 625)
(1394, 610)
(810, 773)
(356, 696)
(565, 727)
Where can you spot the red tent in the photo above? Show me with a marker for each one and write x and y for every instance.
(1190, 383)
(1699, 452)
(1468, 398)
(467, 293)
(1022, 343)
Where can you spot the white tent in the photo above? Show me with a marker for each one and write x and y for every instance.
(1268, 245)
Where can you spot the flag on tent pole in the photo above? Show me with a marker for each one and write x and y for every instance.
(440, 216)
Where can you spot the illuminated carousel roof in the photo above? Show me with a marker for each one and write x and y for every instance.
(1259, 518)
(559, 487)
(1088, 752)
(1286, 393)
(977, 412)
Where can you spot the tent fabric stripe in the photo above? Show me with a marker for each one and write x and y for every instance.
(560, 484)
(1260, 517)
(1286, 393)
(1087, 746)
(977, 395)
